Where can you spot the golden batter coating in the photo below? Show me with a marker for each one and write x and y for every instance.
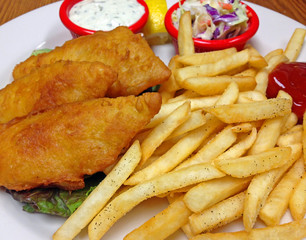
(59, 146)
(55, 84)
(129, 54)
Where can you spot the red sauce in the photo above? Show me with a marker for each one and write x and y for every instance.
(291, 78)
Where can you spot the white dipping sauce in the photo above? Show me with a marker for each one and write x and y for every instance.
(106, 14)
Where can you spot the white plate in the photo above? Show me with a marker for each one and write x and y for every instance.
(42, 28)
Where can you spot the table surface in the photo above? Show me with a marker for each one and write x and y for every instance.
(295, 9)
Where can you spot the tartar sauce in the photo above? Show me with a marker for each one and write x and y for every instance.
(106, 14)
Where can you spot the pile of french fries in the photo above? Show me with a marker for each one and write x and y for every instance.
(218, 150)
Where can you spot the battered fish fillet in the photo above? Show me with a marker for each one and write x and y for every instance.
(129, 54)
(58, 147)
(55, 84)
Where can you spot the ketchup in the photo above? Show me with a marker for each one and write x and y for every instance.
(291, 78)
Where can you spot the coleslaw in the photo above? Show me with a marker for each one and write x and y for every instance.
(214, 19)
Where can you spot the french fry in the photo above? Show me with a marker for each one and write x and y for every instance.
(171, 85)
(292, 136)
(253, 164)
(304, 137)
(185, 95)
(243, 127)
(171, 198)
(108, 169)
(250, 72)
(213, 124)
(206, 194)
(291, 121)
(196, 120)
(256, 59)
(166, 96)
(163, 130)
(184, 39)
(230, 95)
(142, 135)
(218, 215)
(213, 148)
(126, 201)
(270, 130)
(295, 230)
(174, 156)
(236, 70)
(167, 108)
(241, 235)
(252, 111)
(267, 135)
(167, 145)
(273, 53)
(241, 147)
(262, 79)
(205, 57)
(297, 201)
(263, 75)
(275, 60)
(295, 44)
(277, 202)
(158, 227)
(251, 96)
(187, 230)
(213, 69)
(201, 102)
(100, 195)
(216, 85)
(147, 163)
(177, 191)
(261, 186)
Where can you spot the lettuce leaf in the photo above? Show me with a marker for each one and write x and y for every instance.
(56, 201)
(40, 51)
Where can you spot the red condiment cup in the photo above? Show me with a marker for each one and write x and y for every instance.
(210, 45)
(77, 31)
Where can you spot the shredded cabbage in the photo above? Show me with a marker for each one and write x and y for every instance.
(214, 19)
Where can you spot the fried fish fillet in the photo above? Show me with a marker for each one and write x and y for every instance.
(55, 84)
(129, 54)
(58, 147)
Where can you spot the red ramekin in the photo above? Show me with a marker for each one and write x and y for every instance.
(211, 45)
(77, 31)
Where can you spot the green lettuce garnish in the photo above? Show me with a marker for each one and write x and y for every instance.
(40, 51)
(56, 201)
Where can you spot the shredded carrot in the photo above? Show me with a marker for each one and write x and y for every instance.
(249, 14)
(226, 6)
